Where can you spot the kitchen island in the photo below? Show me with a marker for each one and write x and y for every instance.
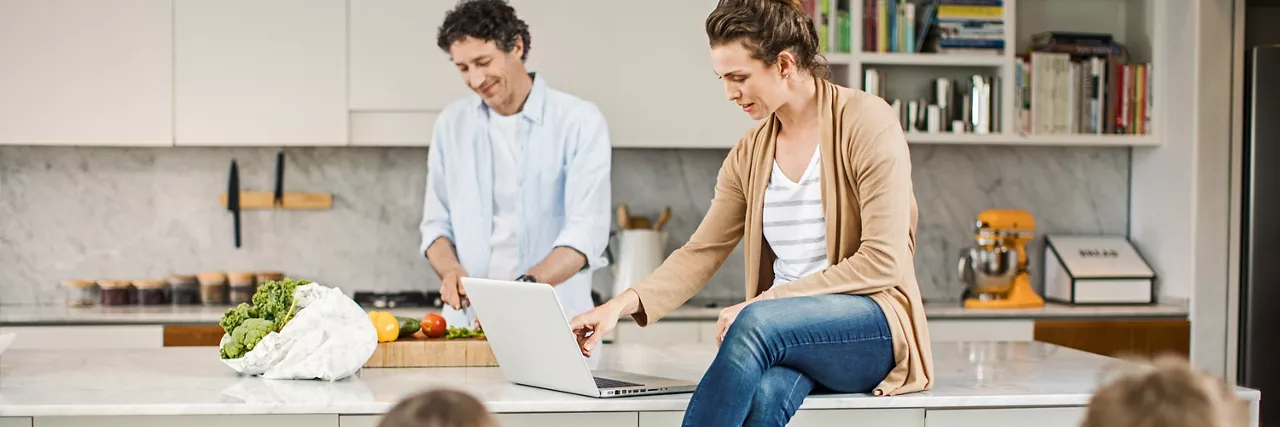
(989, 384)
(1107, 330)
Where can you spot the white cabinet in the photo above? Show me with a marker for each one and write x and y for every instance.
(1013, 417)
(310, 420)
(400, 79)
(554, 419)
(86, 337)
(86, 72)
(593, 419)
(669, 97)
(816, 418)
(15, 422)
(260, 73)
(575, 45)
(395, 63)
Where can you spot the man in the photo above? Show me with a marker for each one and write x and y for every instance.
(518, 174)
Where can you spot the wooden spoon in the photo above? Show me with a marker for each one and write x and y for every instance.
(662, 219)
(624, 218)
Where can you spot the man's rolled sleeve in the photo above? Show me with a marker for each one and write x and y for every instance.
(587, 192)
(435, 206)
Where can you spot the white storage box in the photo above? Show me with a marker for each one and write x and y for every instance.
(1096, 270)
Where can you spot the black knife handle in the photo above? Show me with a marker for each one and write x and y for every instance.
(279, 195)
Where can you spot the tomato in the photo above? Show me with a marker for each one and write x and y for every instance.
(433, 325)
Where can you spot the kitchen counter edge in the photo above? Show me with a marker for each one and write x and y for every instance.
(45, 315)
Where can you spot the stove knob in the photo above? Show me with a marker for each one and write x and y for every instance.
(391, 304)
(379, 303)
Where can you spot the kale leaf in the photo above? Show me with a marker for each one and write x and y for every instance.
(273, 306)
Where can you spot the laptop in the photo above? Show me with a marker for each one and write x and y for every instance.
(535, 346)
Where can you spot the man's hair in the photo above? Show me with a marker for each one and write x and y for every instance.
(1167, 392)
(489, 20)
(438, 408)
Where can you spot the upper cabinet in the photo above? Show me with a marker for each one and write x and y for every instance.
(261, 73)
(369, 72)
(86, 72)
(395, 63)
(573, 45)
(400, 79)
(667, 94)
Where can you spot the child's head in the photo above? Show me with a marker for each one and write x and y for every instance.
(438, 408)
(1167, 392)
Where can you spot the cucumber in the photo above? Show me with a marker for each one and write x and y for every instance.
(408, 326)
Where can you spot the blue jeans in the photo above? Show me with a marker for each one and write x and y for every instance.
(778, 351)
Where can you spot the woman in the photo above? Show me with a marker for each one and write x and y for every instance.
(821, 191)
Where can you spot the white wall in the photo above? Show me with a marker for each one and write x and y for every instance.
(1179, 213)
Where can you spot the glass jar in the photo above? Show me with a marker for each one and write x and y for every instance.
(115, 293)
(81, 293)
(152, 292)
(269, 276)
(213, 287)
(184, 289)
(242, 287)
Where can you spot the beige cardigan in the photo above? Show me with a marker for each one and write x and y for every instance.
(870, 207)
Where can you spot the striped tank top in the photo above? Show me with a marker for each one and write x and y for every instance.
(794, 224)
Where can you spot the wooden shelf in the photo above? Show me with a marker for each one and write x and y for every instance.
(250, 200)
(1033, 140)
(839, 58)
(933, 59)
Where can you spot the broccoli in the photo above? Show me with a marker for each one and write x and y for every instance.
(233, 350)
(245, 337)
(272, 308)
(235, 316)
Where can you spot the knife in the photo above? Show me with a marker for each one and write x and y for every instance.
(278, 201)
(233, 199)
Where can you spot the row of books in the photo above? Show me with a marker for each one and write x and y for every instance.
(820, 11)
(938, 26)
(969, 105)
(1081, 84)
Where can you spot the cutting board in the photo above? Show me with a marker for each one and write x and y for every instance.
(418, 351)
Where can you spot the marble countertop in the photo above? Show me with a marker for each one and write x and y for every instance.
(192, 381)
(12, 315)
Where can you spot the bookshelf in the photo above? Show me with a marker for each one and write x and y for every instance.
(910, 76)
(931, 60)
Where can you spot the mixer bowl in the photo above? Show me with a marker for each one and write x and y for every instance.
(988, 270)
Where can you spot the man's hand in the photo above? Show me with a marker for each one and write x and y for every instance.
(727, 316)
(451, 288)
(445, 262)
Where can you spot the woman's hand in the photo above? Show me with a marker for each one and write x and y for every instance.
(727, 316)
(592, 326)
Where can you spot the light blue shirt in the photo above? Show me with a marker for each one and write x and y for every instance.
(563, 185)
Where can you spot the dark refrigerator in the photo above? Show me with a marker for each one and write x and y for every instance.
(1260, 228)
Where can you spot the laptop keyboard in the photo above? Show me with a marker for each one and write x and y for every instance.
(608, 383)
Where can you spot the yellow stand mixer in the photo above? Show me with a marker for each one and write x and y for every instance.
(995, 270)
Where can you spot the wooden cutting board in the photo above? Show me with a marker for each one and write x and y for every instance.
(418, 351)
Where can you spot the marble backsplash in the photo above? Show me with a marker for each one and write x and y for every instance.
(108, 213)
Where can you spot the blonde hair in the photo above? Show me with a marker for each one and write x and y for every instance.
(438, 408)
(1165, 392)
